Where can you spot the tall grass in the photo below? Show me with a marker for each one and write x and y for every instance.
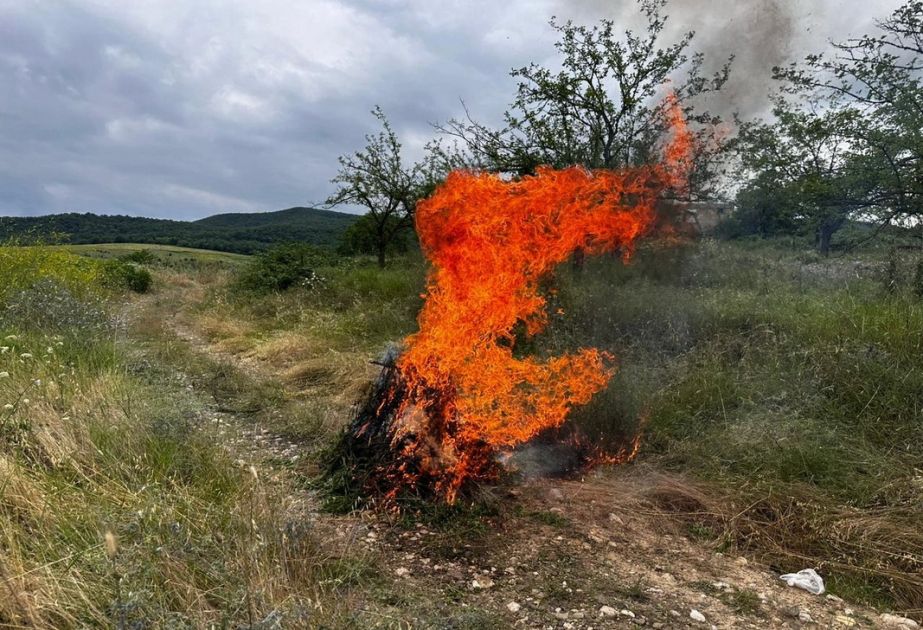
(21, 267)
(119, 506)
(794, 385)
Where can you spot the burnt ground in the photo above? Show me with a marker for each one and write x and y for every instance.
(617, 548)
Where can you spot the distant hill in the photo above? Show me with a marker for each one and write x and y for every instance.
(243, 233)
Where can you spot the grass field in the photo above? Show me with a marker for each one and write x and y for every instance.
(780, 394)
(163, 253)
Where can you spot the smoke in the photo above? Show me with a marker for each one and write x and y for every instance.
(759, 34)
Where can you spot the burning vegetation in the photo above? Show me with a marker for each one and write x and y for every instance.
(459, 397)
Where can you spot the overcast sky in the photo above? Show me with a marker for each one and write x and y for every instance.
(185, 108)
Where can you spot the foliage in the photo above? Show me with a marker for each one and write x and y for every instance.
(22, 267)
(242, 233)
(377, 179)
(49, 306)
(846, 142)
(806, 169)
(604, 108)
(283, 267)
(361, 238)
(125, 275)
(772, 376)
(139, 257)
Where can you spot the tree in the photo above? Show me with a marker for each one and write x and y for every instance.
(603, 109)
(362, 238)
(377, 179)
(803, 169)
(877, 77)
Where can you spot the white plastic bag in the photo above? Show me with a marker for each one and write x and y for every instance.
(806, 579)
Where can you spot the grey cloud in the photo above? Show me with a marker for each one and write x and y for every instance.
(183, 108)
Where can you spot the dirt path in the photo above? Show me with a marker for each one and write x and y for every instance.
(597, 553)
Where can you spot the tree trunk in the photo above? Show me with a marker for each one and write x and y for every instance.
(381, 256)
(579, 259)
(824, 234)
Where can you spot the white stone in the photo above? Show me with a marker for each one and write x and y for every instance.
(607, 611)
(482, 582)
(899, 623)
(513, 607)
(695, 615)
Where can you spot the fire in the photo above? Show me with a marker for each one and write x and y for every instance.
(465, 395)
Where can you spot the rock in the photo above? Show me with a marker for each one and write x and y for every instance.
(740, 561)
(792, 611)
(513, 607)
(482, 582)
(897, 622)
(607, 611)
(805, 617)
(555, 494)
(402, 572)
(695, 615)
(834, 598)
(845, 621)
(627, 613)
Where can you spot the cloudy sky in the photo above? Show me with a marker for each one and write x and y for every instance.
(185, 108)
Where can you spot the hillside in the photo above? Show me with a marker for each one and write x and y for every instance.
(241, 233)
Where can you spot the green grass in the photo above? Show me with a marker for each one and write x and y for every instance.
(795, 385)
(170, 255)
(784, 382)
(119, 506)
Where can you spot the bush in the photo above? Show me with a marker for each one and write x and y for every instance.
(22, 267)
(139, 257)
(119, 274)
(50, 307)
(284, 267)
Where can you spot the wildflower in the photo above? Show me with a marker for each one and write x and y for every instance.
(4, 374)
(4, 349)
(8, 407)
(26, 401)
(25, 355)
(49, 350)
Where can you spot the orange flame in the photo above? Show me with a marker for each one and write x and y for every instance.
(490, 242)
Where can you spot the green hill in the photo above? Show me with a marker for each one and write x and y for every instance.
(243, 233)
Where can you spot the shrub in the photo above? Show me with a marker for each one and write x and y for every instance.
(283, 267)
(21, 267)
(139, 257)
(119, 274)
(49, 306)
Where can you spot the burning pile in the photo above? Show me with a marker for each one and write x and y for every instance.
(458, 396)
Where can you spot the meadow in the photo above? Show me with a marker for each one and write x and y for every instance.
(782, 393)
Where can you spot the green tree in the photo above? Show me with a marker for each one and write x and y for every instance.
(362, 238)
(803, 169)
(877, 79)
(378, 179)
(604, 108)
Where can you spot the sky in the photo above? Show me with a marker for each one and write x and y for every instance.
(185, 108)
